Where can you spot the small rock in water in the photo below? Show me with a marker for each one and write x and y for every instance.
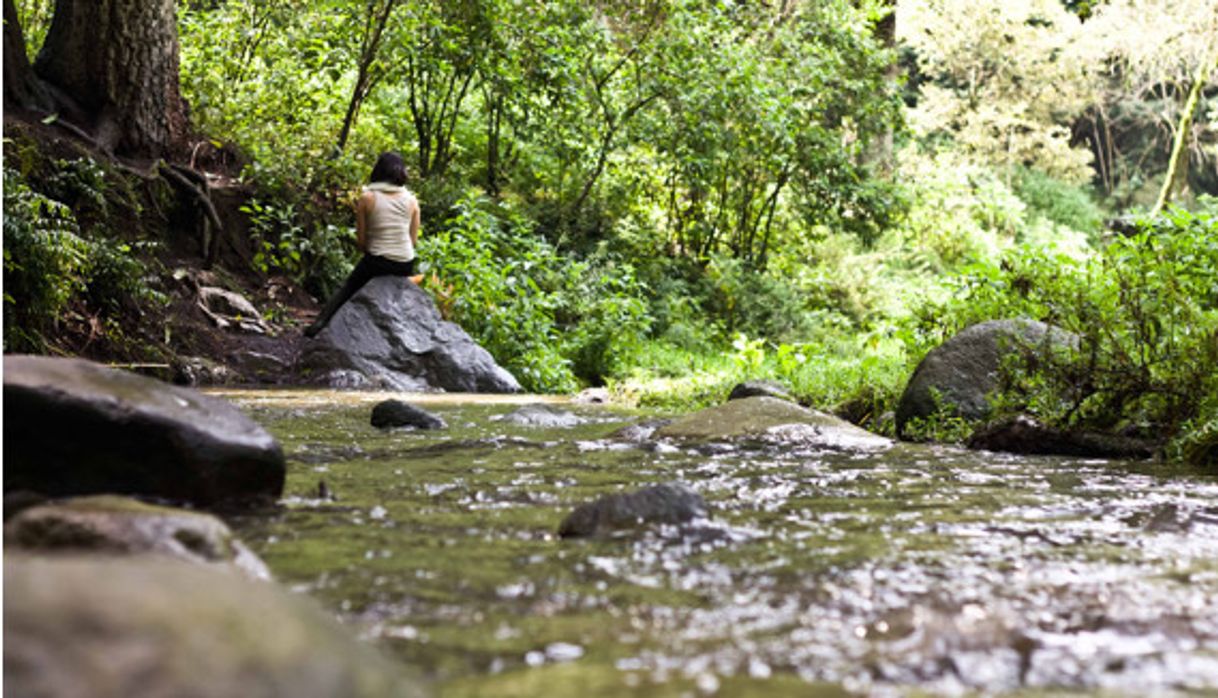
(395, 413)
(759, 389)
(672, 503)
(541, 416)
(563, 652)
(324, 492)
(639, 431)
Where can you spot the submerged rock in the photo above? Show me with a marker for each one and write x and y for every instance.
(74, 427)
(758, 389)
(144, 627)
(958, 374)
(672, 503)
(390, 335)
(395, 413)
(1025, 435)
(541, 416)
(110, 524)
(639, 431)
(773, 420)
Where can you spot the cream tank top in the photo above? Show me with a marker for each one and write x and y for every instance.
(388, 223)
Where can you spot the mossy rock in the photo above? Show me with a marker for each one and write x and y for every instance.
(773, 420)
(141, 627)
(119, 525)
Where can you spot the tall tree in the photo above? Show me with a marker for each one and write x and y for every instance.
(115, 64)
(21, 86)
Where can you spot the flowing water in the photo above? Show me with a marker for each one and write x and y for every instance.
(912, 570)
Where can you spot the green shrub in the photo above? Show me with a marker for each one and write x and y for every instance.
(48, 266)
(1059, 202)
(45, 263)
(1146, 314)
(309, 249)
(549, 319)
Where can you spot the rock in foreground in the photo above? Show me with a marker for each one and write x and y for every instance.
(74, 427)
(958, 374)
(109, 524)
(661, 504)
(773, 420)
(145, 627)
(391, 336)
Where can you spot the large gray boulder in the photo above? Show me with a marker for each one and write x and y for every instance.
(74, 427)
(148, 627)
(957, 375)
(119, 525)
(771, 420)
(391, 336)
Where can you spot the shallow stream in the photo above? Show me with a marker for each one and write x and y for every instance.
(915, 569)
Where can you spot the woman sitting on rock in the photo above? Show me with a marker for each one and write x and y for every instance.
(387, 230)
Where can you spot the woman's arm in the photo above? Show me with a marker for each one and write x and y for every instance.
(363, 207)
(414, 225)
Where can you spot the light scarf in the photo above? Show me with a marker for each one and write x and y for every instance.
(385, 188)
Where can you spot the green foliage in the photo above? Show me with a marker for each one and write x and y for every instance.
(308, 249)
(547, 318)
(1146, 314)
(45, 263)
(1056, 201)
(48, 265)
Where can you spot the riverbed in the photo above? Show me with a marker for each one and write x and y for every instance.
(817, 572)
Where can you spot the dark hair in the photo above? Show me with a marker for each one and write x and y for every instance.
(389, 168)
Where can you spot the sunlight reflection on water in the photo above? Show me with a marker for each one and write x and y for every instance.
(930, 567)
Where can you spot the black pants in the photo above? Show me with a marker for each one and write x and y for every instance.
(369, 267)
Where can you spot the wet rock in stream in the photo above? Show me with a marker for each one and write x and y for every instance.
(772, 421)
(395, 413)
(958, 375)
(110, 524)
(542, 416)
(758, 389)
(640, 431)
(1023, 434)
(75, 427)
(672, 503)
(146, 626)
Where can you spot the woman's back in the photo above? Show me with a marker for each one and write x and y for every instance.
(388, 224)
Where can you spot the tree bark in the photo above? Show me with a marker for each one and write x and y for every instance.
(1177, 164)
(21, 85)
(117, 61)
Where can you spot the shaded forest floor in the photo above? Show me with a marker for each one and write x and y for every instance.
(161, 316)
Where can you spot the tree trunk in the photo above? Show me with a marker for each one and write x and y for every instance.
(1177, 164)
(880, 151)
(21, 85)
(117, 61)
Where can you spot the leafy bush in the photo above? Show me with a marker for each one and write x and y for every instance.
(549, 319)
(1059, 202)
(45, 263)
(48, 265)
(310, 250)
(1145, 311)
